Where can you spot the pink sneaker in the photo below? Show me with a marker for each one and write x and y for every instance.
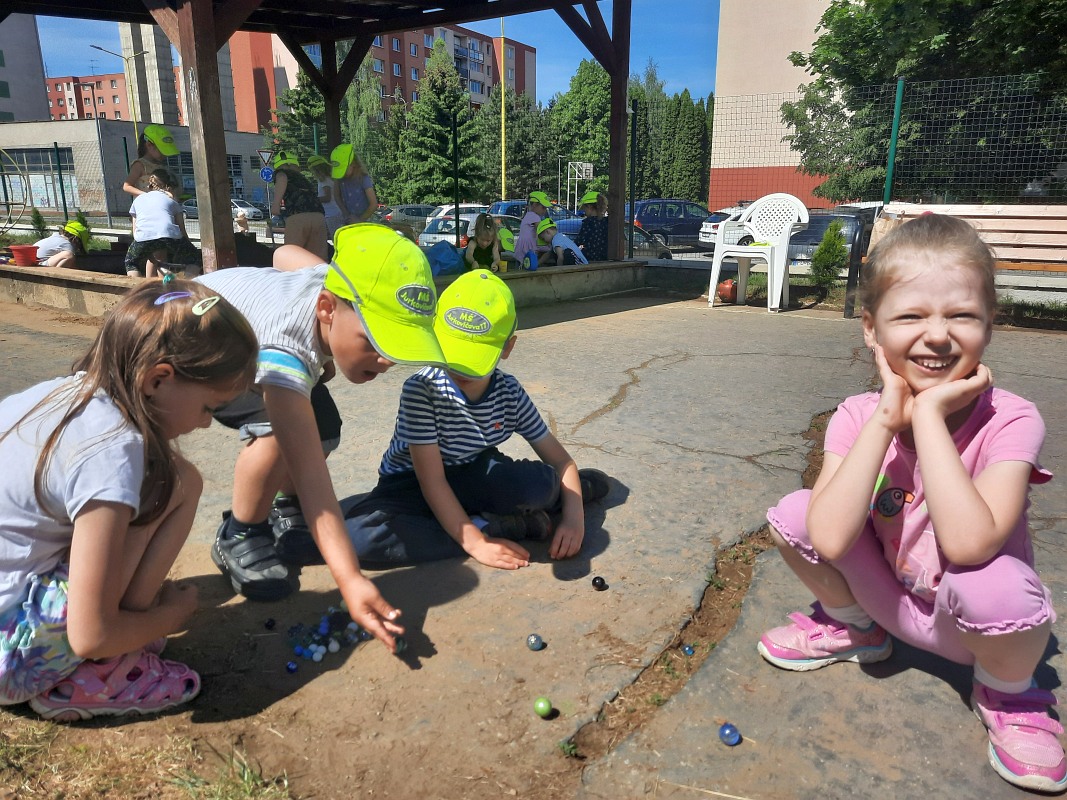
(1023, 747)
(818, 641)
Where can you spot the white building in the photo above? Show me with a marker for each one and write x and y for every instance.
(21, 71)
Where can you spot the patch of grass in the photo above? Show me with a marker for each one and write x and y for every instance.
(568, 748)
(1028, 314)
(236, 780)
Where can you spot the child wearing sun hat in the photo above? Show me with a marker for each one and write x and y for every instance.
(444, 488)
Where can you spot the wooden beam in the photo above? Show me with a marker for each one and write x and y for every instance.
(196, 46)
(617, 128)
(360, 47)
(331, 97)
(165, 17)
(601, 50)
(229, 18)
(304, 62)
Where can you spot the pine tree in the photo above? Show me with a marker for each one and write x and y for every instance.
(579, 119)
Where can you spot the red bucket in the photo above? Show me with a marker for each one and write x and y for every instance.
(25, 255)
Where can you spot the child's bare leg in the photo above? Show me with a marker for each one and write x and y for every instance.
(157, 257)
(152, 549)
(1009, 656)
(259, 473)
(826, 583)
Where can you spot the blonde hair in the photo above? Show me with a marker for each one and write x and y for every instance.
(215, 346)
(601, 204)
(161, 180)
(929, 234)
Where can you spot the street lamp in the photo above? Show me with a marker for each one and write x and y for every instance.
(129, 83)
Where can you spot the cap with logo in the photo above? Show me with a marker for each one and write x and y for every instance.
(77, 229)
(317, 161)
(540, 197)
(283, 157)
(341, 159)
(475, 318)
(161, 138)
(589, 198)
(544, 225)
(389, 283)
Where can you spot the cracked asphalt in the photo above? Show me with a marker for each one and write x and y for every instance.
(698, 415)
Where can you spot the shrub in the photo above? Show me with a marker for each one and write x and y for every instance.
(37, 223)
(829, 258)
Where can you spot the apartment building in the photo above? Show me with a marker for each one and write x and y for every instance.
(21, 70)
(100, 96)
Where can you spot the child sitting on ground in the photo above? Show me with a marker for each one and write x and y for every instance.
(444, 489)
(62, 248)
(96, 503)
(592, 237)
(917, 524)
(563, 252)
(483, 249)
(159, 230)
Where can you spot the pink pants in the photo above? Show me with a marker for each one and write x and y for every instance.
(1004, 595)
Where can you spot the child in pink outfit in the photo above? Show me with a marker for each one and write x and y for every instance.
(917, 526)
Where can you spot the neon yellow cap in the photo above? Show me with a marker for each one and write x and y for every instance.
(588, 198)
(341, 159)
(161, 138)
(389, 282)
(79, 230)
(540, 197)
(544, 225)
(474, 320)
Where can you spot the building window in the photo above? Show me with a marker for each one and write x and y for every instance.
(413, 49)
(99, 85)
(414, 97)
(60, 101)
(7, 116)
(381, 89)
(103, 115)
(115, 99)
(414, 74)
(377, 41)
(476, 87)
(118, 114)
(49, 103)
(474, 46)
(427, 40)
(5, 90)
(379, 65)
(59, 87)
(511, 74)
(396, 70)
(2, 64)
(511, 52)
(396, 44)
(100, 101)
(69, 87)
(88, 114)
(87, 101)
(114, 84)
(62, 116)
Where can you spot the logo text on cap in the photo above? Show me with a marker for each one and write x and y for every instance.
(467, 321)
(416, 298)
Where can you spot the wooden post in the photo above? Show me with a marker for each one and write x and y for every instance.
(196, 45)
(617, 128)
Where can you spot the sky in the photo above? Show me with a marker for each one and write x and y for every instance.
(681, 43)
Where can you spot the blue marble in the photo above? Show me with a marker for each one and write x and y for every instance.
(729, 735)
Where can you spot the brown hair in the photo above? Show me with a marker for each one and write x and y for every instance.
(161, 179)
(484, 224)
(212, 346)
(928, 233)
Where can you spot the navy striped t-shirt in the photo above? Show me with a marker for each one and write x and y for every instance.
(434, 411)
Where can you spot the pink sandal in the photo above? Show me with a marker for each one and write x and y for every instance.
(136, 683)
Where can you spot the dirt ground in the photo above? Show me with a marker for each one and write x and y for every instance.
(254, 722)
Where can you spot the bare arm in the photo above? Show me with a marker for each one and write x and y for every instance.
(570, 531)
(430, 471)
(98, 626)
(281, 181)
(298, 439)
(291, 257)
(130, 184)
(372, 204)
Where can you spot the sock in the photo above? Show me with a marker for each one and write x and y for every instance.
(1007, 687)
(853, 615)
(235, 528)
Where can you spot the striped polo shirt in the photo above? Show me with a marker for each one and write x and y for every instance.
(434, 411)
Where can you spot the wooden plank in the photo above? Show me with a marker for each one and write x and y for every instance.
(1041, 225)
(1058, 240)
(1030, 253)
(1030, 266)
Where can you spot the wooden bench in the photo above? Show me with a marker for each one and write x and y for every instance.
(1030, 238)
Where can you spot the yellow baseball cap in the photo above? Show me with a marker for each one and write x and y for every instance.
(588, 198)
(76, 228)
(474, 320)
(540, 197)
(316, 161)
(389, 283)
(161, 138)
(341, 159)
(544, 225)
(283, 157)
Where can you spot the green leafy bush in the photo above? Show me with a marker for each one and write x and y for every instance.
(38, 224)
(830, 257)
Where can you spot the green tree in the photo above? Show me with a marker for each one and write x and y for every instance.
(301, 125)
(841, 123)
(364, 118)
(651, 108)
(829, 258)
(579, 121)
(684, 155)
(530, 162)
(425, 170)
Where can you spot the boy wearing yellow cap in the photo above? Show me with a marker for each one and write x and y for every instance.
(444, 489)
(563, 252)
(368, 309)
(536, 209)
(62, 248)
(592, 237)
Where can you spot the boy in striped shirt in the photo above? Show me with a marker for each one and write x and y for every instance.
(444, 489)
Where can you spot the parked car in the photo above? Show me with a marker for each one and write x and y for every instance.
(443, 229)
(190, 209)
(709, 229)
(243, 205)
(507, 221)
(517, 208)
(647, 246)
(450, 208)
(803, 243)
(678, 221)
(413, 215)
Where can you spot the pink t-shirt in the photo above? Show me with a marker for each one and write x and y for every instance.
(1002, 427)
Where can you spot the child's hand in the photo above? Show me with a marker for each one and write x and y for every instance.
(500, 553)
(897, 400)
(567, 541)
(947, 398)
(367, 607)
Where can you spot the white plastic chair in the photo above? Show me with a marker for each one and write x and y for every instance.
(770, 221)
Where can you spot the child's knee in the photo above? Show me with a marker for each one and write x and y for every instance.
(1004, 595)
(190, 482)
